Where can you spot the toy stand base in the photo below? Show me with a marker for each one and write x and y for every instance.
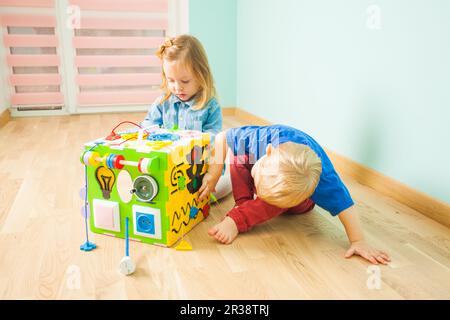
(88, 246)
(183, 246)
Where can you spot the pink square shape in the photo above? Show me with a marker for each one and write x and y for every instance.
(104, 217)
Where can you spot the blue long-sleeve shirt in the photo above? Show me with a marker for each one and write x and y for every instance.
(175, 113)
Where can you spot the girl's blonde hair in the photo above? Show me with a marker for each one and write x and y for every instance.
(190, 52)
(295, 177)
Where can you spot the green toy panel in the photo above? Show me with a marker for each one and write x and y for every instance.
(96, 190)
(152, 180)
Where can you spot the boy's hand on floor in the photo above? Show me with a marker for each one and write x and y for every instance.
(362, 249)
(208, 186)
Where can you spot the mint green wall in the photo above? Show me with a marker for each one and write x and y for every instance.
(213, 22)
(381, 98)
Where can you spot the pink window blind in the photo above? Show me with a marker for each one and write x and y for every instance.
(115, 53)
(32, 54)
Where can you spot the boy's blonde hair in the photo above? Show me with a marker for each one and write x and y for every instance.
(190, 52)
(294, 178)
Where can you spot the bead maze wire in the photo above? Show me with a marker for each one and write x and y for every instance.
(113, 134)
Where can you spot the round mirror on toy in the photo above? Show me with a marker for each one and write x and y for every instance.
(145, 188)
(124, 186)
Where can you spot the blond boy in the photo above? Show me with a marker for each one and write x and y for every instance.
(278, 169)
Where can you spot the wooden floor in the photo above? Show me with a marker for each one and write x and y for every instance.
(290, 257)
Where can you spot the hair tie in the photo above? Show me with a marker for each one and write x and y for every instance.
(168, 43)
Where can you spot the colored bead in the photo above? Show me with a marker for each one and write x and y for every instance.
(117, 160)
(143, 165)
(93, 158)
(104, 160)
(86, 157)
(109, 161)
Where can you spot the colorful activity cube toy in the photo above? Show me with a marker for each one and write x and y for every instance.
(151, 177)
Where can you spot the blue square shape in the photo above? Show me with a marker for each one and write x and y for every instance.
(145, 223)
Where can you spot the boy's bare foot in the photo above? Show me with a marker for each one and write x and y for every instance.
(224, 232)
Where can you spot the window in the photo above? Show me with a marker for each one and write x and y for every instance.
(80, 56)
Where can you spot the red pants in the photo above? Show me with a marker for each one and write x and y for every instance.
(250, 211)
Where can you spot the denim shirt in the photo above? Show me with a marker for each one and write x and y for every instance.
(175, 113)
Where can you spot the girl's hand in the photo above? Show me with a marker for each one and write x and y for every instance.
(362, 249)
(208, 186)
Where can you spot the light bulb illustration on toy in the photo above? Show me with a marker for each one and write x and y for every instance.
(105, 178)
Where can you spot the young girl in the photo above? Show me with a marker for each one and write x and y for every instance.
(189, 99)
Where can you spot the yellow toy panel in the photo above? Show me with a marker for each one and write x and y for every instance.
(187, 166)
